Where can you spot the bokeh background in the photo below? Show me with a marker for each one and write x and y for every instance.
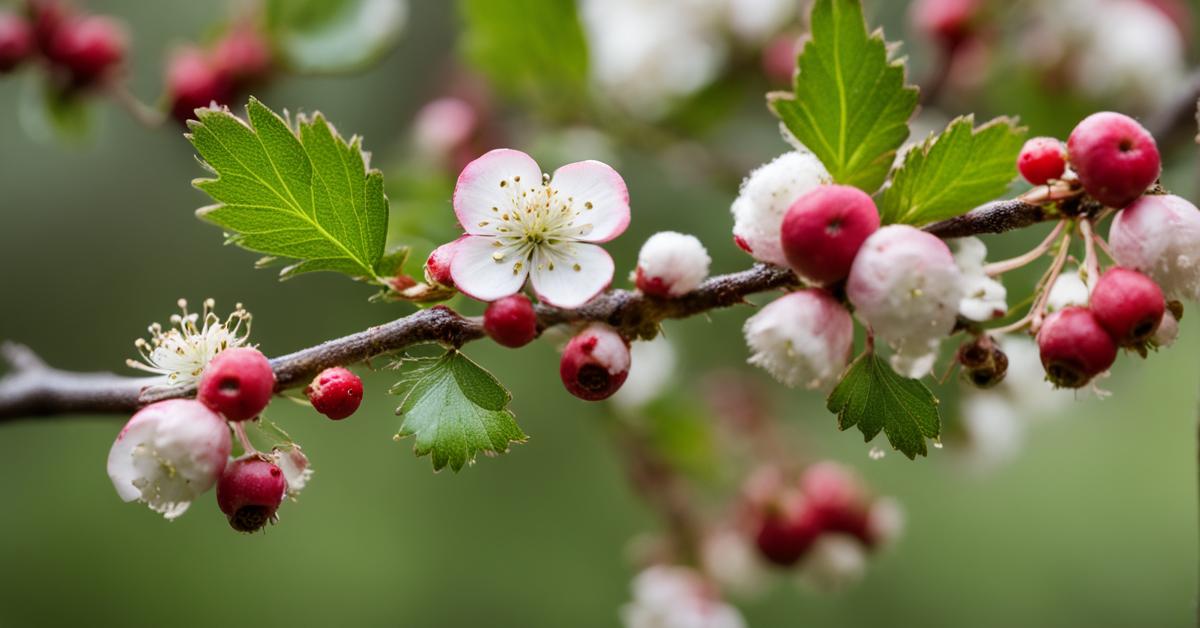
(1092, 524)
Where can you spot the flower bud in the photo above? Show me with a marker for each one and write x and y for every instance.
(801, 339)
(671, 264)
(1160, 236)
(765, 197)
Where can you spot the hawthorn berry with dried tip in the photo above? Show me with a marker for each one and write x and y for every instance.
(595, 363)
(1115, 157)
(1042, 159)
(511, 321)
(1129, 305)
(1074, 347)
(335, 392)
(16, 41)
(250, 491)
(823, 230)
(787, 529)
(238, 383)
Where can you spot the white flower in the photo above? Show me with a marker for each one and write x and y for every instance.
(1167, 332)
(994, 429)
(651, 365)
(905, 285)
(671, 264)
(1160, 236)
(732, 560)
(983, 298)
(168, 454)
(1131, 50)
(294, 464)
(802, 338)
(765, 197)
(834, 562)
(885, 520)
(181, 352)
(677, 597)
(521, 225)
(1068, 290)
(754, 21)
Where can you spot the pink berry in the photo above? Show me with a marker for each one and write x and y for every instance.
(1115, 157)
(437, 266)
(1042, 159)
(237, 383)
(335, 392)
(250, 491)
(511, 321)
(1074, 347)
(194, 83)
(949, 22)
(89, 48)
(823, 230)
(48, 17)
(1129, 305)
(242, 57)
(595, 363)
(787, 530)
(838, 498)
(16, 41)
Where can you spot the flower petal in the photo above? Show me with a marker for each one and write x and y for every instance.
(479, 275)
(571, 273)
(490, 186)
(598, 193)
(122, 468)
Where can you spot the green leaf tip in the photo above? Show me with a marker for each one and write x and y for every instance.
(299, 192)
(873, 397)
(454, 409)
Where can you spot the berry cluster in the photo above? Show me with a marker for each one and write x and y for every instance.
(198, 77)
(79, 51)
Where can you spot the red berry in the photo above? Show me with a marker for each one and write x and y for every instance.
(242, 57)
(1074, 347)
(335, 392)
(16, 41)
(823, 230)
(194, 83)
(1129, 305)
(838, 498)
(237, 383)
(249, 492)
(787, 531)
(89, 48)
(950, 22)
(511, 321)
(1042, 159)
(595, 363)
(437, 266)
(1115, 157)
(49, 17)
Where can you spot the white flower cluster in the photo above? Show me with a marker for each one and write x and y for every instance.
(983, 298)
(677, 597)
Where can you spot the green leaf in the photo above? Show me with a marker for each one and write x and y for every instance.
(680, 429)
(872, 396)
(528, 47)
(454, 409)
(850, 104)
(334, 36)
(305, 194)
(952, 173)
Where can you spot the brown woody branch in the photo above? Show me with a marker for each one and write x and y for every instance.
(32, 388)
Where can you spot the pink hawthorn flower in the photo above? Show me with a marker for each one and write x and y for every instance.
(522, 225)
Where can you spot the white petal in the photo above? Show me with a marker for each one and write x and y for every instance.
(494, 180)
(479, 275)
(598, 193)
(569, 274)
(122, 467)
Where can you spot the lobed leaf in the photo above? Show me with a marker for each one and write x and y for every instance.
(872, 396)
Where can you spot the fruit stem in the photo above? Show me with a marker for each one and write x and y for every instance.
(142, 113)
(1091, 262)
(999, 268)
(239, 430)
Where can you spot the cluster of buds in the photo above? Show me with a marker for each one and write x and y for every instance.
(172, 452)
(79, 51)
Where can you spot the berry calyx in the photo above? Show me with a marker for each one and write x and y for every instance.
(1115, 157)
(1129, 305)
(89, 48)
(16, 41)
(511, 321)
(335, 392)
(984, 364)
(595, 363)
(194, 83)
(1074, 347)
(250, 491)
(823, 230)
(1042, 159)
(238, 383)
(787, 530)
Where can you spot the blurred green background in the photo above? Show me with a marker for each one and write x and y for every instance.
(1093, 525)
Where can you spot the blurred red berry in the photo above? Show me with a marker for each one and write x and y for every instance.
(1129, 305)
(249, 492)
(1042, 159)
(16, 41)
(194, 83)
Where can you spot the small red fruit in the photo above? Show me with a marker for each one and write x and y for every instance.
(595, 363)
(823, 230)
(949, 22)
(1074, 347)
(194, 83)
(48, 17)
(1042, 159)
(16, 41)
(437, 266)
(838, 498)
(242, 57)
(1129, 305)
(250, 491)
(511, 321)
(787, 530)
(336, 392)
(89, 49)
(238, 383)
(1115, 157)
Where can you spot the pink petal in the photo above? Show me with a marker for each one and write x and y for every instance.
(597, 184)
(576, 275)
(477, 273)
(489, 186)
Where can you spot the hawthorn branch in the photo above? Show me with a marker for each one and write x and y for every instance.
(33, 388)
